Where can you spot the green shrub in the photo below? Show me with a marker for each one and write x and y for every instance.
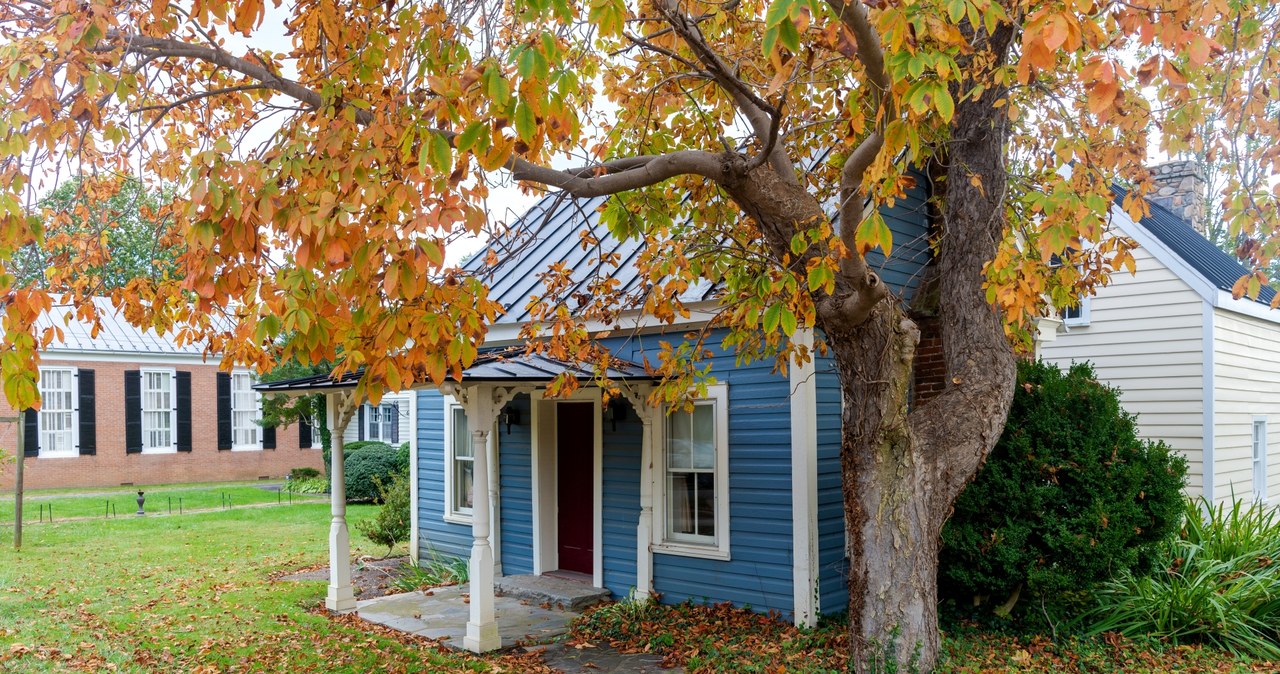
(1218, 582)
(391, 525)
(362, 444)
(304, 473)
(309, 485)
(402, 457)
(434, 571)
(365, 466)
(1068, 498)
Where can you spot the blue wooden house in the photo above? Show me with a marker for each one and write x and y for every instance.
(738, 500)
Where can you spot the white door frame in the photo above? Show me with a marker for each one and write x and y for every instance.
(546, 555)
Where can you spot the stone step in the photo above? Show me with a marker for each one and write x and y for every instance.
(569, 594)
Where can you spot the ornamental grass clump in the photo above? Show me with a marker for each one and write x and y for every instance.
(1218, 582)
(1069, 497)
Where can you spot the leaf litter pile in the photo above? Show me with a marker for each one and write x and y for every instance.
(722, 638)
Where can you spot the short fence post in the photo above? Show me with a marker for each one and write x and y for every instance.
(179, 505)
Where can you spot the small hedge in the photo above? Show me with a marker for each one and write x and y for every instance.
(367, 465)
(1069, 497)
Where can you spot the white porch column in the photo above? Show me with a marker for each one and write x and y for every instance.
(644, 530)
(482, 628)
(340, 596)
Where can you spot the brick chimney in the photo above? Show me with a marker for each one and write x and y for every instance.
(1180, 187)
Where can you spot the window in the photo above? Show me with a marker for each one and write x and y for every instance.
(459, 465)
(381, 422)
(245, 432)
(57, 412)
(157, 412)
(1077, 315)
(694, 479)
(1260, 458)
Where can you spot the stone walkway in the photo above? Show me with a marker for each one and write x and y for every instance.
(602, 660)
(442, 614)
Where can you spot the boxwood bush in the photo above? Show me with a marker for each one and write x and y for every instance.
(363, 464)
(1069, 497)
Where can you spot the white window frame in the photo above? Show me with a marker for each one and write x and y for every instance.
(452, 514)
(1079, 320)
(718, 547)
(172, 447)
(1258, 445)
(375, 418)
(256, 408)
(74, 435)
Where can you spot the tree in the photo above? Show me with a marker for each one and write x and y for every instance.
(721, 129)
(124, 227)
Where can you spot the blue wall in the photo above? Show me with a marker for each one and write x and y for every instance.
(908, 219)
(833, 589)
(435, 535)
(515, 488)
(759, 571)
(621, 503)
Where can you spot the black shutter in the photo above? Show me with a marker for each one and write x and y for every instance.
(395, 423)
(360, 423)
(182, 384)
(133, 412)
(31, 433)
(88, 414)
(304, 434)
(268, 437)
(224, 410)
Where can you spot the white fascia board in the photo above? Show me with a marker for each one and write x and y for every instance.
(1223, 300)
(127, 357)
(700, 313)
(1148, 241)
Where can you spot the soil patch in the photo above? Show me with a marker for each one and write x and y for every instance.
(370, 576)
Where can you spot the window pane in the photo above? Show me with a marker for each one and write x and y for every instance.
(461, 437)
(706, 503)
(680, 503)
(678, 436)
(704, 437)
(463, 484)
(389, 420)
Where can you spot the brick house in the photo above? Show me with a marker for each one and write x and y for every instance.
(132, 407)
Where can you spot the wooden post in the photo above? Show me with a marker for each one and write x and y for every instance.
(341, 598)
(17, 483)
(482, 627)
(644, 529)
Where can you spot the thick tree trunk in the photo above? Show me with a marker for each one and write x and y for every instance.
(903, 468)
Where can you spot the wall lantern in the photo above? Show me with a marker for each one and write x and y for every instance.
(510, 417)
(614, 412)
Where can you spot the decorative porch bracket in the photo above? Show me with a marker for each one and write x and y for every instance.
(340, 407)
(644, 528)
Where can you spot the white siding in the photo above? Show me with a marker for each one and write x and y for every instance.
(1247, 376)
(1145, 337)
(405, 399)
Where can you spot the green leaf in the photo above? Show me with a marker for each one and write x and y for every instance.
(441, 154)
(526, 123)
(788, 322)
(789, 36)
(469, 136)
(778, 11)
(772, 316)
(943, 102)
(874, 232)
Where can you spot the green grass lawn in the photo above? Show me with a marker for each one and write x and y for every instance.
(189, 594)
(95, 501)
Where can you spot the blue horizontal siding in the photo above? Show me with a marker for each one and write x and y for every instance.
(515, 479)
(833, 591)
(435, 536)
(759, 571)
(620, 502)
(907, 218)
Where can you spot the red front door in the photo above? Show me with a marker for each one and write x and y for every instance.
(575, 445)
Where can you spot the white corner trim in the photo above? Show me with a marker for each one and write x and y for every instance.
(1208, 430)
(804, 485)
(450, 404)
(414, 538)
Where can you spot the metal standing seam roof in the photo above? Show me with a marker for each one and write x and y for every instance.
(505, 365)
(115, 336)
(1217, 267)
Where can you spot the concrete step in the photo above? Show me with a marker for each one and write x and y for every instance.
(569, 594)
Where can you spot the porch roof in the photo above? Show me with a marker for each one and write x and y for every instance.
(498, 366)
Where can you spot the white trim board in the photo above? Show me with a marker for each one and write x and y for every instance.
(804, 486)
(545, 487)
